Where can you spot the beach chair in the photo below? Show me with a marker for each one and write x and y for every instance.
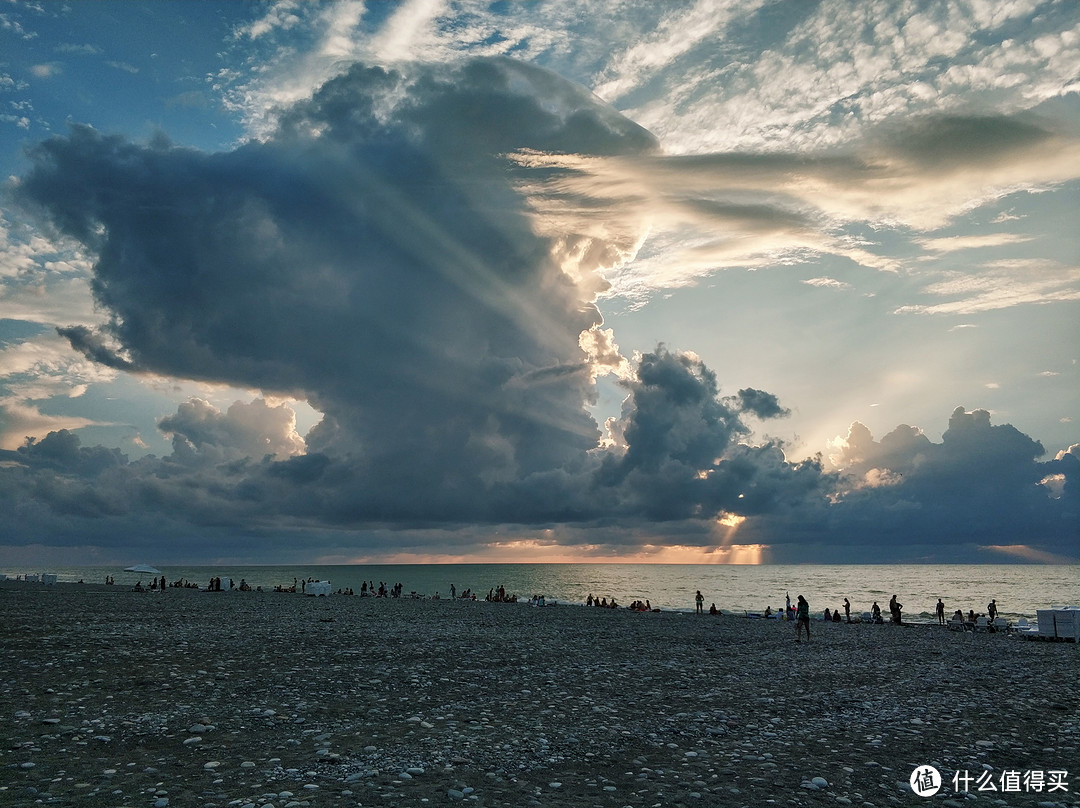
(956, 624)
(982, 624)
(1000, 624)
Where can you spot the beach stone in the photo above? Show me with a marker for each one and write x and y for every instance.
(195, 729)
(520, 747)
(27, 765)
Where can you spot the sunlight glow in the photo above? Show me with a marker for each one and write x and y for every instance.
(544, 551)
(1022, 551)
(1054, 485)
(731, 519)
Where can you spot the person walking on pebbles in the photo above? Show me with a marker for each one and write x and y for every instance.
(802, 619)
(700, 601)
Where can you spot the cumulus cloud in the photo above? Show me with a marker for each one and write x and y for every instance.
(761, 404)
(371, 257)
(981, 483)
(417, 253)
(253, 430)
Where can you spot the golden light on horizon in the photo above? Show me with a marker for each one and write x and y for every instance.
(1027, 553)
(545, 551)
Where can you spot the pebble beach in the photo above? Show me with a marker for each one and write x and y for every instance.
(110, 697)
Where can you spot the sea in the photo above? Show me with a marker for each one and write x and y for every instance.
(1019, 589)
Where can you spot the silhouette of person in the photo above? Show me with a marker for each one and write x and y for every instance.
(802, 619)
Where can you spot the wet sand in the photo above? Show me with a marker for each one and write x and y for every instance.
(185, 698)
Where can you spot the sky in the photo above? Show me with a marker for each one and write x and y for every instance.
(699, 282)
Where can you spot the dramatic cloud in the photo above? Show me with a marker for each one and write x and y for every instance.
(371, 257)
(982, 481)
(252, 430)
(710, 211)
(417, 253)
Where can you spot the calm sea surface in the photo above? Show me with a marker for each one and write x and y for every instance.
(1018, 589)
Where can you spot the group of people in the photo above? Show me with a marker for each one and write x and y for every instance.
(602, 603)
(500, 595)
(958, 615)
(802, 614)
(154, 586)
(160, 584)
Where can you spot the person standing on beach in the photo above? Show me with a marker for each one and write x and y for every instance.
(894, 609)
(700, 601)
(802, 619)
(991, 609)
(940, 612)
(847, 609)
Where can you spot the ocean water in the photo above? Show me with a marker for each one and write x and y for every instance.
(1018, 589)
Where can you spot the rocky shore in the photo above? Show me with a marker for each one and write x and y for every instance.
(184, 698)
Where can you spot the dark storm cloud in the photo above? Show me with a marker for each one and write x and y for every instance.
(91, 344)
(947, 143)
(372, 256)
(983, 483)
(377, 257)
(763, 405)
